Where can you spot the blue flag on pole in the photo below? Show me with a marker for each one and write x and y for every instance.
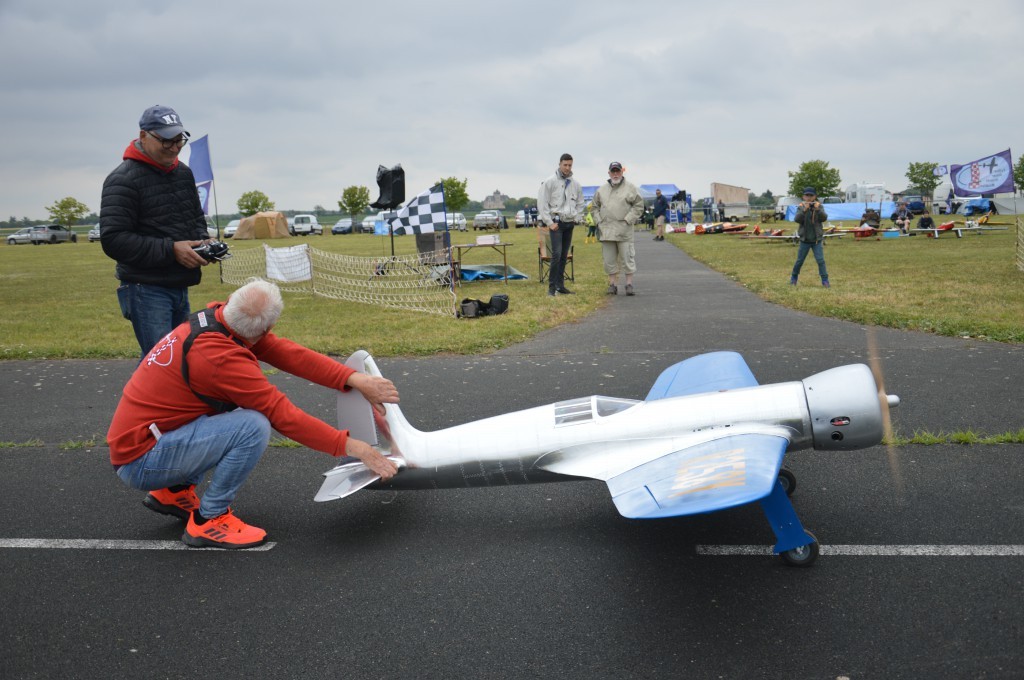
(199, 162)
(989, 175)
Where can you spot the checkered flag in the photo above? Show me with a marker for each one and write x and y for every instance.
(425, 213)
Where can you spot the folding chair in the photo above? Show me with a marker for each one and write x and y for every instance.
(544, 265)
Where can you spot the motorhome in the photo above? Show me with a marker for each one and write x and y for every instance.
(867, 192)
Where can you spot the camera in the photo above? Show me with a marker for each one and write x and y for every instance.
(213, 251)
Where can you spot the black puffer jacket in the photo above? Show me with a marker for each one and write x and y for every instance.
(143, 211)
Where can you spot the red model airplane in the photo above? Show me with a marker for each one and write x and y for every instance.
(969, 226)
(720, 228)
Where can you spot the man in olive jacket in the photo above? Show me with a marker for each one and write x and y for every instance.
(810, 217)
(150, 219)
(617, 206)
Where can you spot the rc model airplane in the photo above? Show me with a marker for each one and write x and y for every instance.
(970, 227)
(707, 437)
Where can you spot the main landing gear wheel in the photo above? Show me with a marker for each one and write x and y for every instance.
(788, 480)
(804, 556)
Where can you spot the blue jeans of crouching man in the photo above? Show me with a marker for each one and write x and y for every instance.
(230, 442)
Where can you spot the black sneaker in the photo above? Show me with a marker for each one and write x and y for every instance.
(565, 291)
(613, 289)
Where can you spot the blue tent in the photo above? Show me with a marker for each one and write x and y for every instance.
(646, 190)
(667, 190)
(847, 211)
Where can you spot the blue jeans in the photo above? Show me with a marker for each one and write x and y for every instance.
(154, 311)
(561, 242)
(230, 442)
(819, 257)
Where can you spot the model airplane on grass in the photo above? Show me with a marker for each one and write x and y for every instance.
(707, 437)
(968, 227)
(720, 228)
(780, 235)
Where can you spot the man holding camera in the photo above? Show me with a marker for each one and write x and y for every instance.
(150, 221)
(810, 217)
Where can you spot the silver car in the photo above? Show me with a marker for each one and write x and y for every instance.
(52, 233)
(20, 236)
(94, 233)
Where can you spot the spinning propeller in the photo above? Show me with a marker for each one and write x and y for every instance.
(886, 401)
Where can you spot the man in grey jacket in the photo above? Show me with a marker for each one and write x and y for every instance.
(560, 207)
(810, 217)
(617, 206)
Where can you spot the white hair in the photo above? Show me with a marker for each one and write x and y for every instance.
(253, 309)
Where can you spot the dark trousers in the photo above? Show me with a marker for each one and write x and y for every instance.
(561, 241)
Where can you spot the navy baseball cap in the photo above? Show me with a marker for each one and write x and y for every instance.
(615, 165)
(163, 121)
(810, 190)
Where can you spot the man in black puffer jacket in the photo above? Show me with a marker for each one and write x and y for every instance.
(150, 220)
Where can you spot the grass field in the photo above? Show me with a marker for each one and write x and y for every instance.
(59, 301)
(955, 287)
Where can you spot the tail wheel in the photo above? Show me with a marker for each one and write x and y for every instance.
(804, 556)
(788, 480)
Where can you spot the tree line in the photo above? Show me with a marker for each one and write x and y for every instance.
(355, 200)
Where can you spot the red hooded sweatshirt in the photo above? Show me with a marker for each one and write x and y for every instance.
(157, 394)
(134, 153)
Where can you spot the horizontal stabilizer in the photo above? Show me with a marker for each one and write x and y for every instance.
(711, 476)
(710, 372)
(344, 480)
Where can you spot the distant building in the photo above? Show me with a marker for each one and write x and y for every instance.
(495, 201)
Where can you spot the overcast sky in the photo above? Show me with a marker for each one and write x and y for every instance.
(303, 98)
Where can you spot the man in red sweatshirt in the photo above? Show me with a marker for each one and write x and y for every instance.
(200, 401)
(150, 219)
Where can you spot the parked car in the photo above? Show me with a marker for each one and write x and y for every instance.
(304, 225)
(456, 221)
(520, 218)
(489, 219)
(52, 233)
(23, 235)
(915, 204)
(371, 220)
(211, 228)
(229, 231)
(94, 233)
(342, 226)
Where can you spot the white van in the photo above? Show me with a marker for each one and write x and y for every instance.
(304, 225)
(782, 203)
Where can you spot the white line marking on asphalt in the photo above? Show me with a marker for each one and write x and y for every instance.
(878, 550)
(108, 544)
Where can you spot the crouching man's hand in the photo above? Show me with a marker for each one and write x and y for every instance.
(377, 391)
(371, 458)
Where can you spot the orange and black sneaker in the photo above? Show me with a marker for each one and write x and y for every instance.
(177, 503)
(225, 531)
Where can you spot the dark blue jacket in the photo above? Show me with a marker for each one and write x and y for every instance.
(660, 206)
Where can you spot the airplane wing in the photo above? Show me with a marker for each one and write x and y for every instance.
(710, 476)
(710, 372)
